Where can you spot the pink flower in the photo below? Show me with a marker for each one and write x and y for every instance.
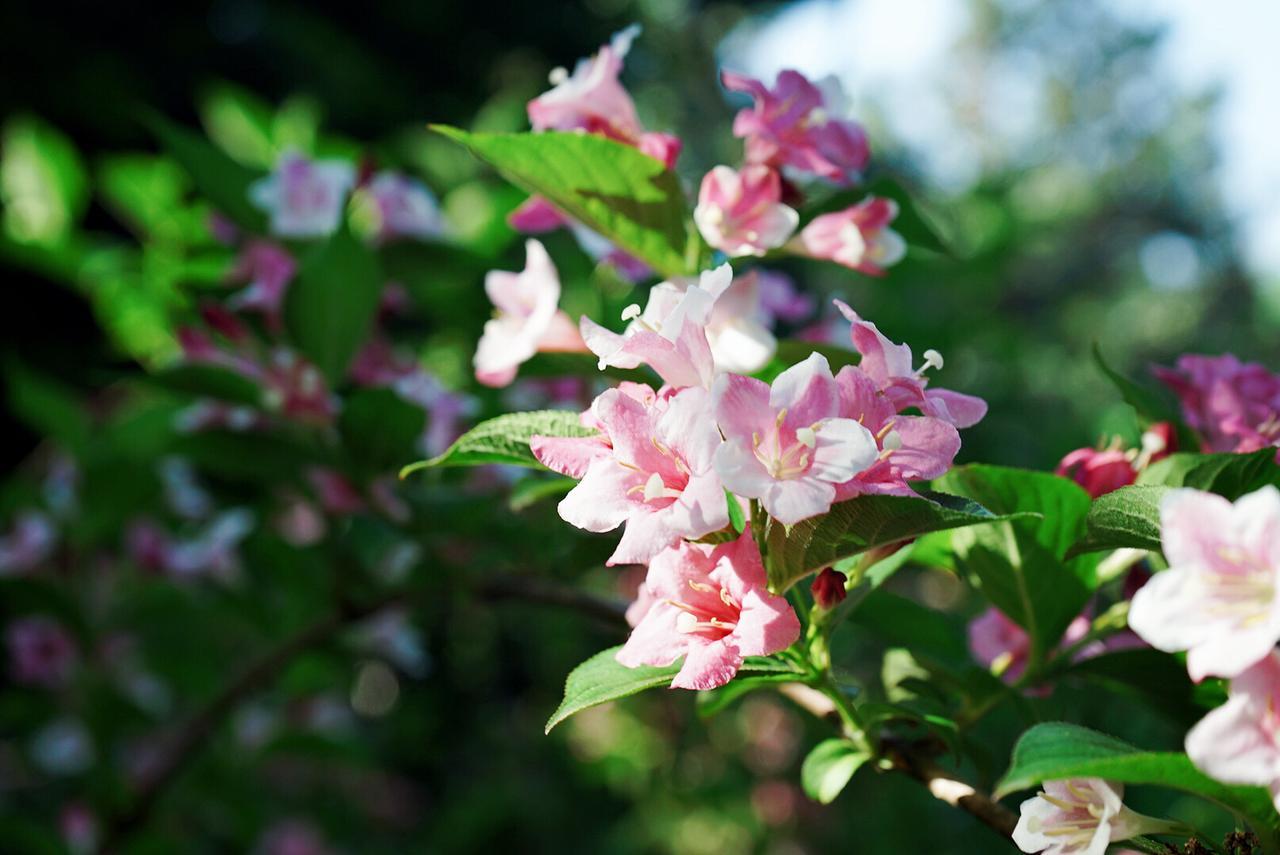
(1234, 406)
(792, 125)
(304, 198)
(41, 653)
(911, 448)
(591, 98)
(1099, 472)
(1239, 742)
(405, 207)
(651, 469)
(1004, 647)
(741, 213)
(268, 269)
(889, 365)
(1079, 816)
(337, 495)
(528, 318)
(858, 237)
(1220, 598)
(29, 543)
(669, 335)
(712, 606)
(788, 445)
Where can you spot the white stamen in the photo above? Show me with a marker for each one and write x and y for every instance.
(932, 359)
(630, 313)
(806, 437)
(558, 75)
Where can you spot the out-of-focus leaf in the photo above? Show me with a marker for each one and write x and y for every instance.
(47, 406)
(531, 491)
(221, 180)
(712, 703)
(380, 428)
(43, 185)
(790, 352)
(1019, 564)
(240, 124)
(858, 525)
(1057, 750)
(1229, 475)
(208, 381)
(1153, 676)
(602, 678)
(613, 189)
(1151, 405)
(829, 767)
(582, 365)
(505, 439)
(1128, 517)
(147, 193)
(330, 308)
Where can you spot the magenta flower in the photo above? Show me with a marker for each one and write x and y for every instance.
(267, 268)
(528, 318)
(1220, 598)
(651, 469)
(910, 448)
(1003, 647)
(669, 335)
(1233, 405)
(712, 606)
(41, 653)
(858, 237)
(789, 445)
(741, 213)
(1099, 472)
(304, 198)
(405, 207)
(890, 366)
(1239, 742)
(792, 125)
(29, 543)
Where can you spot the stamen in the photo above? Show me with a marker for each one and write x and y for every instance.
(806, 436)
(558, 75)
(630, 313)
(654, 488)
(932, 359)
(701, 587)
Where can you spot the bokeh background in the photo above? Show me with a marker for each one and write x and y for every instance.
(1103, 172)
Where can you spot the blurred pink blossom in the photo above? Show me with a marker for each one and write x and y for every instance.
(41, 652)
(741, 212)
(858, 237)
(1233, 405)
(304, 198)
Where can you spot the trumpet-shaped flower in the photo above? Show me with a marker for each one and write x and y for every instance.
(304, 198)
(651, 469)
(858, 237)
(890, 366)
(1239, 742)
(669, 335)
(794, 124)
(712, 606)
(591, 98)
(741, 213)
(789, 445)
(1079, 816)
(911, 448)
(1220, 598)
(1098, 471)
(528, 318)
(1234, 405)
(405, 207)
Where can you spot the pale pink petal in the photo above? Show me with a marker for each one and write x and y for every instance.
(741, 406)
(807, 391)
(797, 499)
(599, 501)
(1193, 526)
(843, 449)
(961, 410)
(708, 665)
(568, 455)
(741, 471)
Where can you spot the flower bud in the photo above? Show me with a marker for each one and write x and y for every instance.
(828, 588)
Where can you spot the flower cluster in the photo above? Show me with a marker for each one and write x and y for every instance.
(1220, 602)
(1233, 405)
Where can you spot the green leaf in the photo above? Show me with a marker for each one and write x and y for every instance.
(1128, 517)
(737, 518)
(208, 381)
(1229, 475)
(1019, 565)
(530, 491)
(614, 189)
(505, 439)
(1057, 750)
(602, 678)
(330, 308)
(221, 180)
(380, 428)
(1150, 404)
(581, 365)
(829, 767)
(43, 184)
(1152, 676)
(47, 406)
(858, 525)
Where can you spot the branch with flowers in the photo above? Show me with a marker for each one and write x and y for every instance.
(774, 486)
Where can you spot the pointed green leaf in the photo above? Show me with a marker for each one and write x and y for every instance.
(505, 439)
(737, 518)
(1229, 475)
(602, 678)
(1128, 517)
(858, 525)
(1057, 750)
(614, 189)
(829, 767)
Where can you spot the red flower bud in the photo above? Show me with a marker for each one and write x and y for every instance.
(828, 588)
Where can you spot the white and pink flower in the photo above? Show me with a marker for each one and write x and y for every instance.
(1220, 598)
(1079, 816)
(304, 198)
(858, 237)
(788, 444)
(528, 318)
(741, 212)
(712, 606)
(405, 207)
(650, 468)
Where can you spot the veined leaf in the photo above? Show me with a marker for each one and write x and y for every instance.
(602, 678)
(1128, 517)
(1229, 475)
(505, 439)
(614, 189)
(1057, 750)
(861, 524)
(1150, 404)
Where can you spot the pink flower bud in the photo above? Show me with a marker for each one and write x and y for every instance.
(828, 588)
